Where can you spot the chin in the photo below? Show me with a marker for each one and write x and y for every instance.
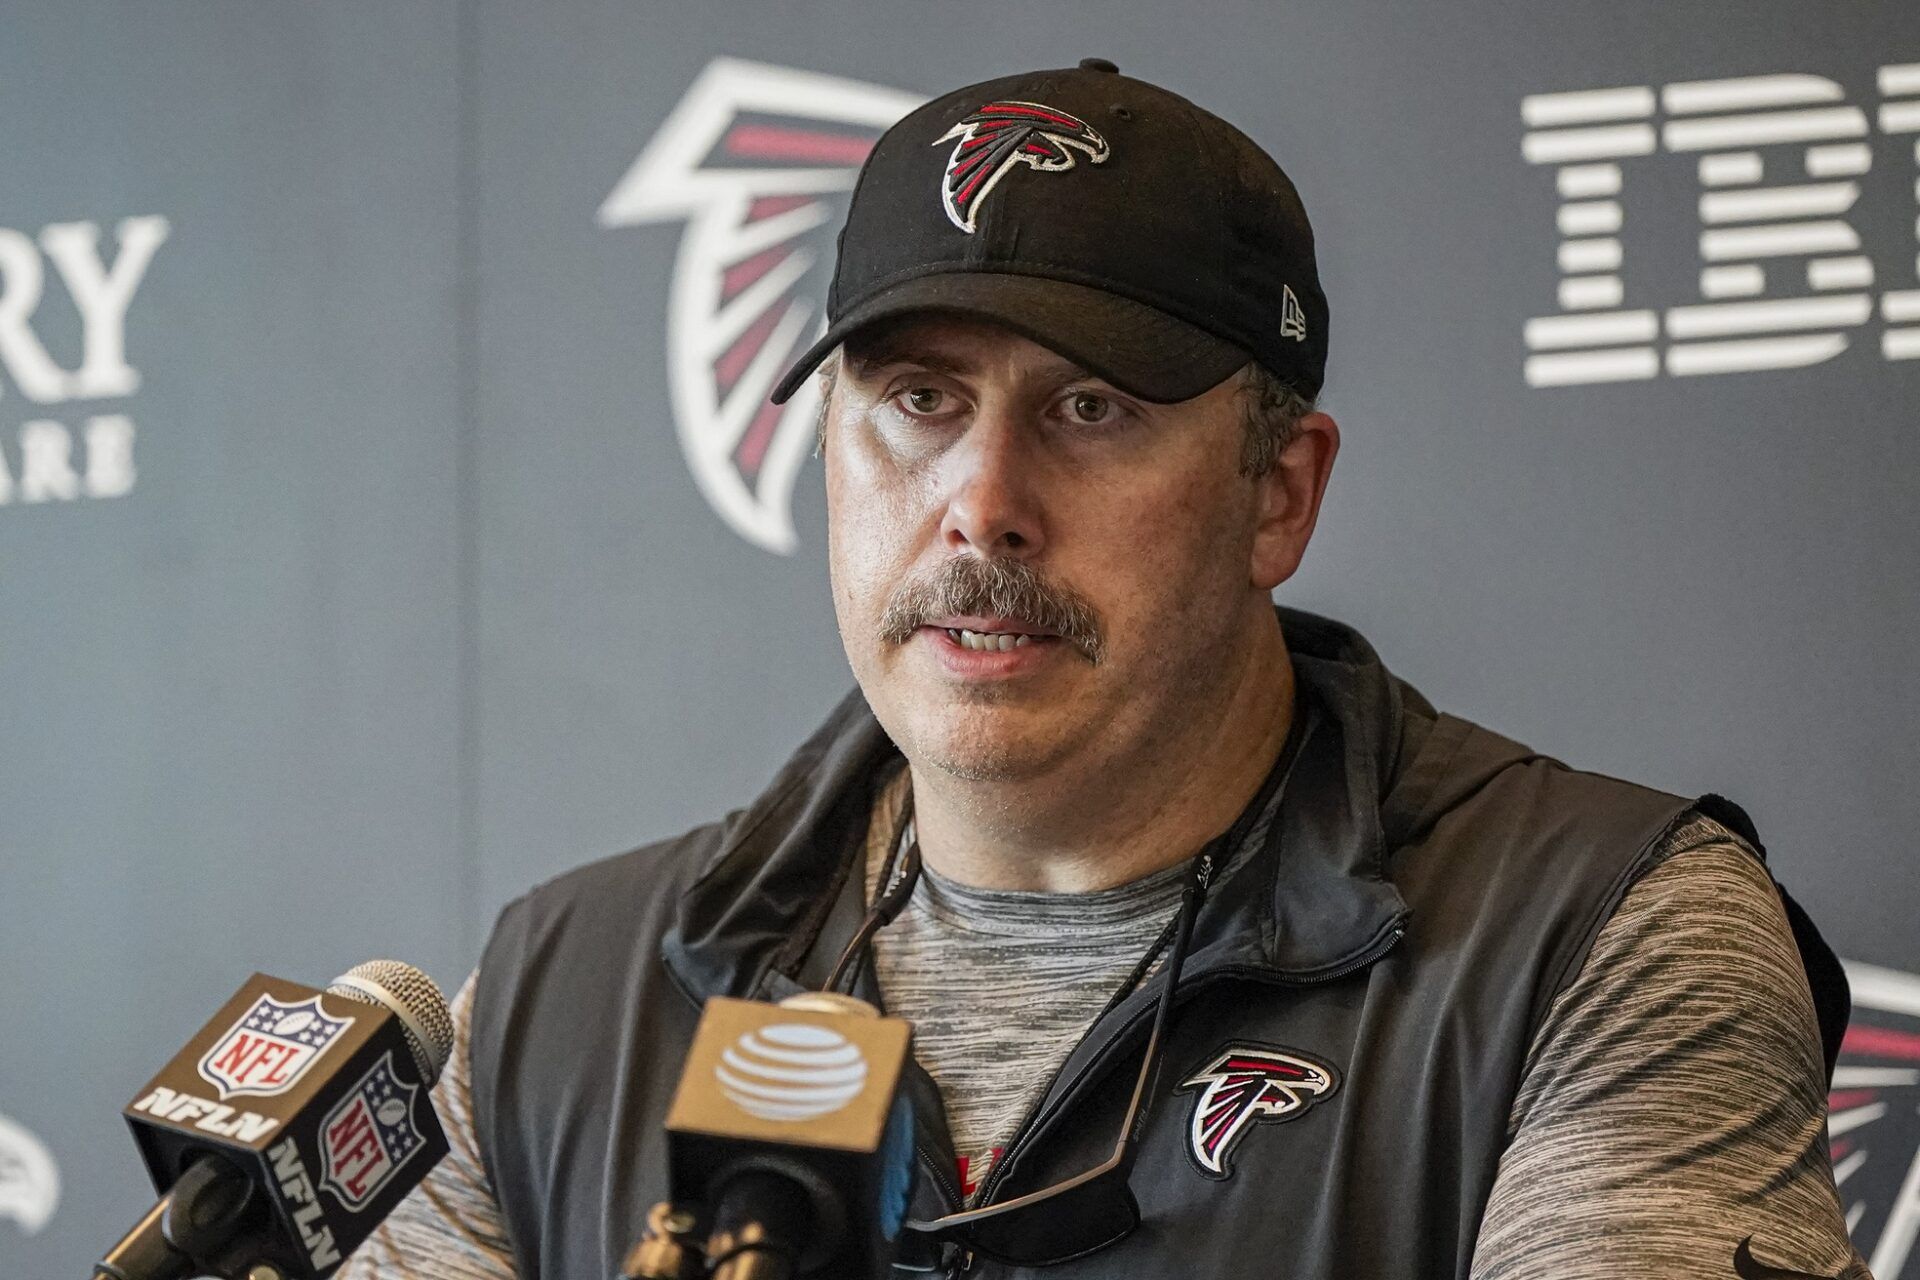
(979, 745)
(978, 766)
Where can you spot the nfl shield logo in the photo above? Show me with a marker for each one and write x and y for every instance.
(369, 1135)
(270, 1047)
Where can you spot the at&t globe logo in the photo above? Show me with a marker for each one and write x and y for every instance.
(791, 1071)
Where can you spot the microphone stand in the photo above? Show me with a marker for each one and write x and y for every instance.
(740, 1248)
(187, 1233)
(669, 1249)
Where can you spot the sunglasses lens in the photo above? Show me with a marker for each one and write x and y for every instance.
(1078, 1221)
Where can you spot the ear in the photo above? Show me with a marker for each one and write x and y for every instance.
(1289, 498)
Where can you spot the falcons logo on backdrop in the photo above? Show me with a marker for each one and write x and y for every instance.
(1873, 1119)
(1000, 135)
(1242, 1084)
(29, 1180)
(758, 162)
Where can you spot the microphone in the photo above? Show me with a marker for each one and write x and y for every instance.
(288, 1127)
(790, 1133)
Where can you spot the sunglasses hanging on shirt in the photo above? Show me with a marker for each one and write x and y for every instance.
(1090, 1210)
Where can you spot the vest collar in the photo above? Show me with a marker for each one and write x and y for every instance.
(770, 910)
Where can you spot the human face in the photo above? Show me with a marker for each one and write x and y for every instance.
(982, 490)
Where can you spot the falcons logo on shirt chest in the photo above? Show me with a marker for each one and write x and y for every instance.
(1244, 1084)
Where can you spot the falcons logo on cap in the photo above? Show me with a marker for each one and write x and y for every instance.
(1243, 1084)
(1000, 135)
(1873, 1119)
(758, 162)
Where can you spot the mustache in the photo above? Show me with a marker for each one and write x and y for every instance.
(999, 587)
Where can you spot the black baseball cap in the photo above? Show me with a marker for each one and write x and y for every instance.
(1100, 216)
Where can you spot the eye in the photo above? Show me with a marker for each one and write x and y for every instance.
(922, 401)
(1091, 410)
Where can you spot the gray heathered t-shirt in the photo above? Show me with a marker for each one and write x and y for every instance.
(1049, 963)
(1001, 984)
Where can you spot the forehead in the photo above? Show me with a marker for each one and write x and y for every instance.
(952, 344)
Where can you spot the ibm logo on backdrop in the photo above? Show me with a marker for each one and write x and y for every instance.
(1784, 281)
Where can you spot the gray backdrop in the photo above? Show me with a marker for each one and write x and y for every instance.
(359, 567)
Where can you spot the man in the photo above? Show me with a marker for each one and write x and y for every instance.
(1445, 1006)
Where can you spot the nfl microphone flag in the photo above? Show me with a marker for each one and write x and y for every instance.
(318, 1099)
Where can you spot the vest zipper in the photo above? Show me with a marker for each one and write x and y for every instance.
(1031, 1125)
(930, 1161)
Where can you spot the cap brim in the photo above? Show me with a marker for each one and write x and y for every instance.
(1139, 349)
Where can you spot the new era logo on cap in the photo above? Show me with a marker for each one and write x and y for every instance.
(1293, 320)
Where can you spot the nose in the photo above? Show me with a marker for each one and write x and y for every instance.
(992, 507)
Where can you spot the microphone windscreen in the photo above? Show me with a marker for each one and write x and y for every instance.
(413, 998)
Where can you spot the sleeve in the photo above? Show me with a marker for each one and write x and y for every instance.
(1671, 1117)
(450, 1227)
